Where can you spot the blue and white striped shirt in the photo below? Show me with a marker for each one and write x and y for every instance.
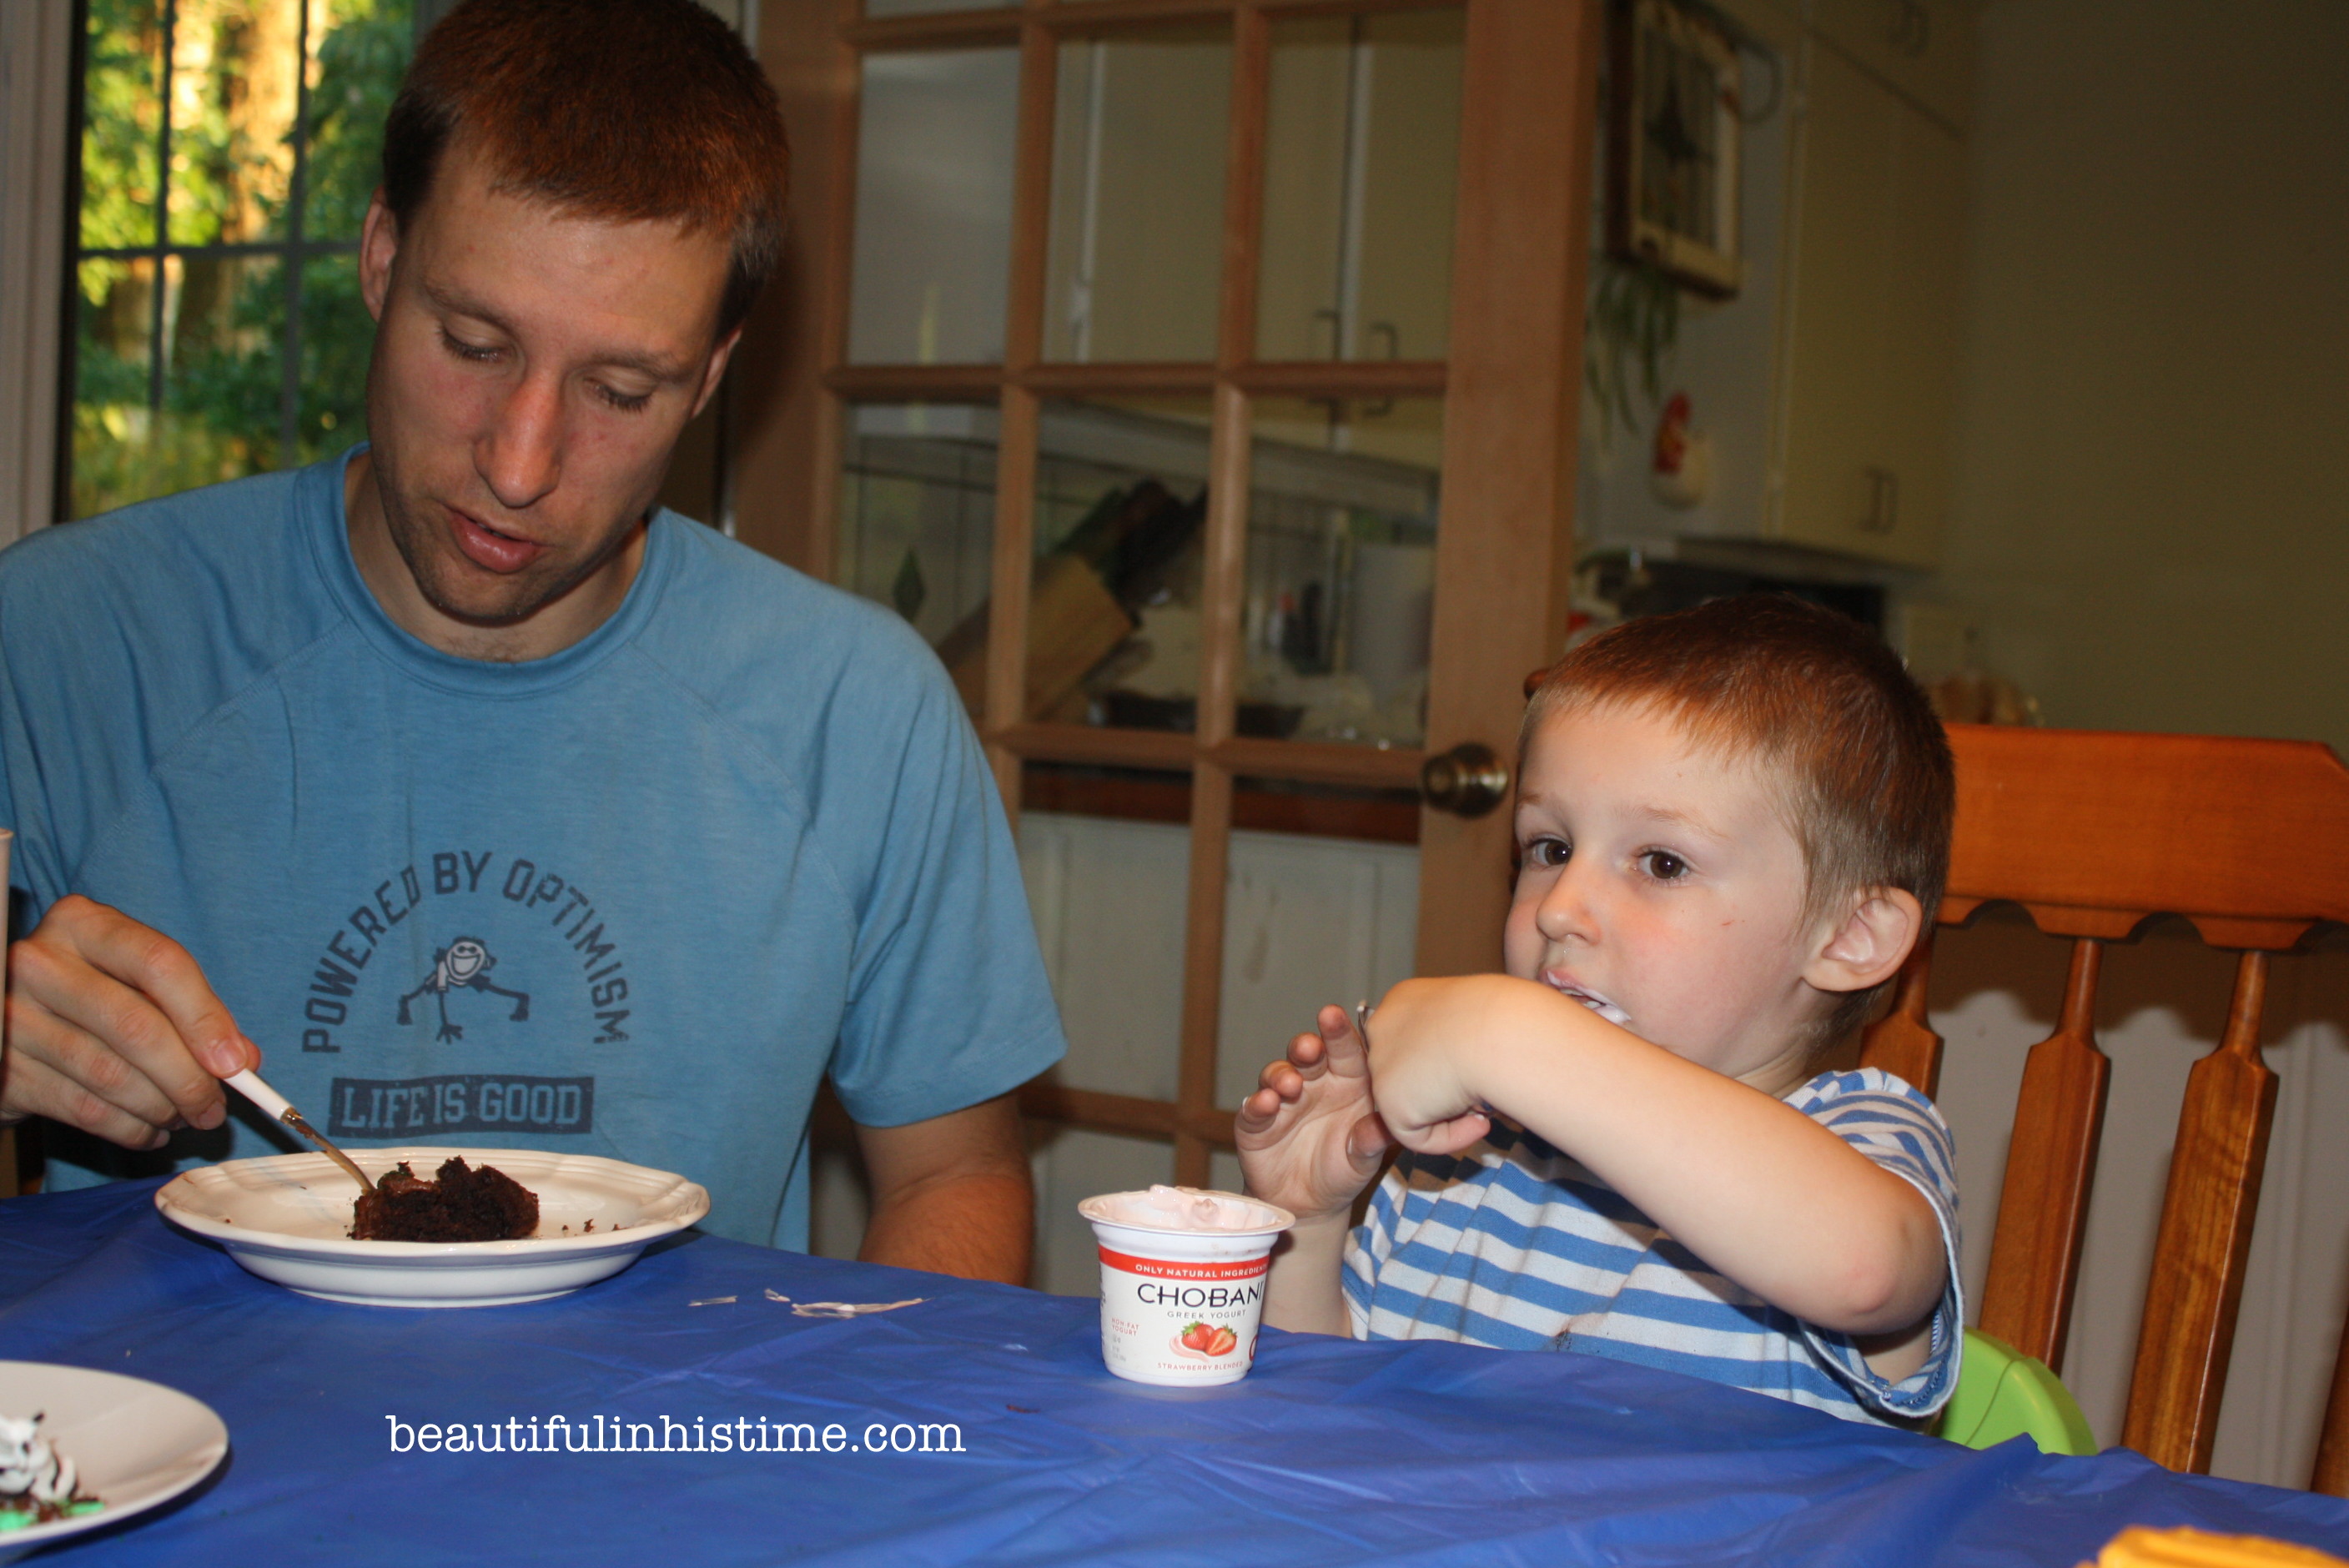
(1513, 1245)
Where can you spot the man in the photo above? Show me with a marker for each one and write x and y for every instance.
(502, 814)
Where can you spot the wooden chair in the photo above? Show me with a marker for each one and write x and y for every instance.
(2332, 1448)
(2094, 834)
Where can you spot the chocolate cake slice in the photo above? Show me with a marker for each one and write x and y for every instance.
(462, 1205)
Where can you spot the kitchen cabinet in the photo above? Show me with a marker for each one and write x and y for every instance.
(1825, 393)
(1361, 158)
(1923, 49)
(1869, 332)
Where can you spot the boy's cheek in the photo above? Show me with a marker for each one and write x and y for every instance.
(1522, 942)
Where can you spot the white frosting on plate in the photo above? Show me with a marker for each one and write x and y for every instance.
(1187, 1209)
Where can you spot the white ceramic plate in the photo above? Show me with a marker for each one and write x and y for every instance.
(137, 1443)
(288, 1219)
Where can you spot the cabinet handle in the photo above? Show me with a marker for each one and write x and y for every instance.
(1912, 29)
(1386, 330)
(1337, 330)
(1883, 502)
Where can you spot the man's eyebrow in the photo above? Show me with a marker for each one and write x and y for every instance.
(651, 364)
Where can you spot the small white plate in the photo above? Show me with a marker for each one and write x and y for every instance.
(288, 1219)
(136, 1443)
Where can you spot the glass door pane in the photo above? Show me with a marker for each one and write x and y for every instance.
(235, 85)
(917, 523)
(1138, 145)
(113, 415)
(1119, 532)
(1340, 584)
(933, 230)
(122, 124)
(1361, 154)
(357, 49)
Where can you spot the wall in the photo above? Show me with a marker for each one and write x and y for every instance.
(2152, 532)
(2152, 518)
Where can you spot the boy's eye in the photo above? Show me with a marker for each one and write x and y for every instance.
(1663, 865)
(1548, 852)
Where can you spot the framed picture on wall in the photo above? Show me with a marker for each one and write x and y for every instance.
(1672, 146)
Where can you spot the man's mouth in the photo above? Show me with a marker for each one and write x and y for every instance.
(1590, 999)
(487, 547)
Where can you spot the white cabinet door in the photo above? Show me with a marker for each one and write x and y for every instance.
(1868, 369)
(1923, 47)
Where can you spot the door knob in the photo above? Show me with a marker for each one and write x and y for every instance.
(1467, 780)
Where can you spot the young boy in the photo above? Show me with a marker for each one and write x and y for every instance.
(1733, 824)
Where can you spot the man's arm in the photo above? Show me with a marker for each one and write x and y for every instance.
(952, 1194)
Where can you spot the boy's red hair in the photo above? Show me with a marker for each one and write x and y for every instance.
(1860, 764)
(620, 109)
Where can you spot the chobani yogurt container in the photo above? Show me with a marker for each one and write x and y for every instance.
(1182, 1275)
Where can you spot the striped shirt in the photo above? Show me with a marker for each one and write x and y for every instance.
(1512, 1245)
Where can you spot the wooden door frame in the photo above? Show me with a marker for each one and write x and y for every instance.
(1511, 381)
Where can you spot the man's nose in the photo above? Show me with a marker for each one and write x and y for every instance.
(519, 455)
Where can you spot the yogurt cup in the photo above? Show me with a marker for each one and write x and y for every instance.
(1182, 1275)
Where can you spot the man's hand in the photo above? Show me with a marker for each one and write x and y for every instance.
(1308, 1139)
(112, 1028)
(952, 1194)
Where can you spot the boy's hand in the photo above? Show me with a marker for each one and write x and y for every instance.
(1424, 1037)
(1308, 1139)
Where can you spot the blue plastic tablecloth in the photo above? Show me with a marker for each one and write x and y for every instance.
(1330, 1452)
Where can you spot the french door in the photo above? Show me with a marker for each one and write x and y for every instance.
(1200, 378)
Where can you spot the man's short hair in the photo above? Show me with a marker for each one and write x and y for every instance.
(1860, 766)
(630, 110)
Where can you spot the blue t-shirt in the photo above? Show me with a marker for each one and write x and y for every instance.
(1514, 1244)
(635, 900)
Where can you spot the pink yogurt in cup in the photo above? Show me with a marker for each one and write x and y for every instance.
(1182, 1275)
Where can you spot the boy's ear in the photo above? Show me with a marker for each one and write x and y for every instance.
(1871, 944)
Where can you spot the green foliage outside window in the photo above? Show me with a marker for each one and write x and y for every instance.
(229, 253)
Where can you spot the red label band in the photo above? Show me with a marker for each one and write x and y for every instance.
(1157, 1268)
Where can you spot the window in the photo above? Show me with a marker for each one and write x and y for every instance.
(229, 149)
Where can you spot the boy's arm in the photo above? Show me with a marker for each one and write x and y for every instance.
(1305, 1290)
(1309, 1142)
(1756, 1189)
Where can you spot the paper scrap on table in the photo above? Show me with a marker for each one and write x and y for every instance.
(840, 1309)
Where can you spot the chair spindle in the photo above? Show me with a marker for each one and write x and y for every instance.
(2042, 1206)
(2332, 1474)
(2187, 1332)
